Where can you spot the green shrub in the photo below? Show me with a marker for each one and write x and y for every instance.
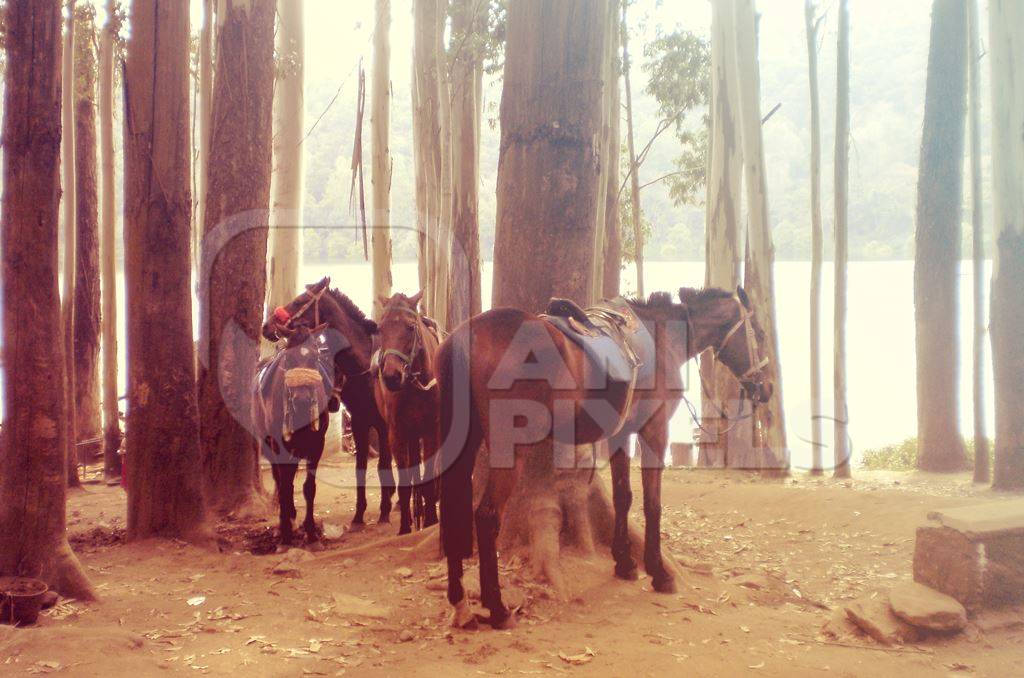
(903, 456)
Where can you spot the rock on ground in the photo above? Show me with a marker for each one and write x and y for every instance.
(926, 608)
(874, 616)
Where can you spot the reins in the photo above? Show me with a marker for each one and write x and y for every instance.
(753, 366)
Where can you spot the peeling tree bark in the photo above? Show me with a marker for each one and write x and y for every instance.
(87, 251)
(68, 217)
(724, 237)
(233, 279)
(33, 540)
(937, 242)
(468, 17)
(1005, 25)
(286, 184)
(841, 452)
(982, 472)
(380, 167)
(162, 444)
(611, 267)
(817, 239)
(108, 251)
(770, 450)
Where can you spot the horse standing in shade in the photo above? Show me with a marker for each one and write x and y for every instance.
(350, 337)
(407, 396)
(290, 411)
(502, 368)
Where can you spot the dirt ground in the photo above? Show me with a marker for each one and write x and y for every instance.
(762, 562)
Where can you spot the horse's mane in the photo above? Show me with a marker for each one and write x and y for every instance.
(351, 310)
(655, 300)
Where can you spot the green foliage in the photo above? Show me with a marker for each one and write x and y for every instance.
(678, 78)
(903, 456)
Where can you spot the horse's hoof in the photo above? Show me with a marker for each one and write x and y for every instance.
(664, 584)
(282, 548)
(463, 618)
(357, 526)
(627, 572)
(499, 622)
(315, 546)
(384, 520)
(404, 530)
(430, 520)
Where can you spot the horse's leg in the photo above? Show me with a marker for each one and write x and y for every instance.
(284, 526)
(309, 490)
(386, 477)
(653, 437)
(286, 498)
(456, 485)
(400, 450)
(360, 435)
(415, 480)
(429, 482)
(622, 497)
(500, 484)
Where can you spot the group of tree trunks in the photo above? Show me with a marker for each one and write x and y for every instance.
(557, 233)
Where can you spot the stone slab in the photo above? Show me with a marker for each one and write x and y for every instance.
(983, 520)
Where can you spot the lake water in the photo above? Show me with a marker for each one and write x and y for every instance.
(880, 325)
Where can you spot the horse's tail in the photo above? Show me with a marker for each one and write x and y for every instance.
(459, 436)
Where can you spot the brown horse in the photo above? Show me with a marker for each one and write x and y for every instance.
(407, 396)
(350, 336)
(292, 395)
(511, 379)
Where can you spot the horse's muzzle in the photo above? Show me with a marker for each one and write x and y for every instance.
(759, 392)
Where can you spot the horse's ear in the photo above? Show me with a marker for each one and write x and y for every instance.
(742, 294)
(686, 293)
(370, 326)
(415, 299)
(316, 287)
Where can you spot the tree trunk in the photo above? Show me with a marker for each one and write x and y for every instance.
(87, 250)
(770, 448)
(380, 167)
(67, 155)
(442, 266)
(937, 240)
(468, 19)
(108, 250)
(233, 279)
(721, 441)
(634, 168)
(1006, 22)
(841, 458)
(204, 102)
(162, 445)
(612, 265)
(817, 240)
(549, 176)
(427, 76)
(982, 472)
(286, 185)
(33, 541)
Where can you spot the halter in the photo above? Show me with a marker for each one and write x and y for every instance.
(407, 359)
(748, 329)
(753, 363)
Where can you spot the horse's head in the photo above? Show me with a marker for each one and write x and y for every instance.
(727, 325)
(303, 310)
(400, 339)
(347, 331)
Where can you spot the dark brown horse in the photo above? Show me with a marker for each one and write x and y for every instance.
(350, 336)
(407, 396)
(511, 379)
(290, 413)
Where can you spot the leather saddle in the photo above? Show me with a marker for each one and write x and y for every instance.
(266, 368)
(612, 337)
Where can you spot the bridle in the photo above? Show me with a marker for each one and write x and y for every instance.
(285, 320)
(407, 359)
(747, 326)
(753, 366)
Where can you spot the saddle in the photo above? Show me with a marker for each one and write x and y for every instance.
(266, 369)
(617, 344)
